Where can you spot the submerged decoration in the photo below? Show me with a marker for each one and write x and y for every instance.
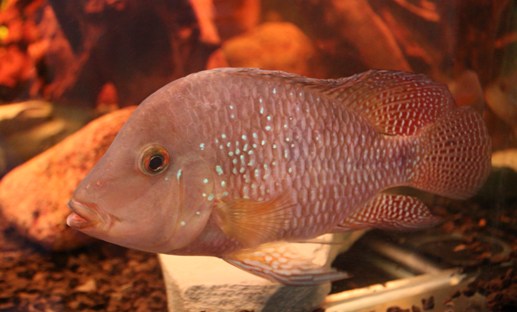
(228, 162)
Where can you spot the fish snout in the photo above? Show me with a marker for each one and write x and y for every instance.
(85, 214)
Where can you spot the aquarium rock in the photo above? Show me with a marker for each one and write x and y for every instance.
(501, 183)
(210, 284)
(33, 196)
(281, 46)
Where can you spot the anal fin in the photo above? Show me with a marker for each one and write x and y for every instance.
(281, 262)
(390, 212)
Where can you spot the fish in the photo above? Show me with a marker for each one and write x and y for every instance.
(235, 162)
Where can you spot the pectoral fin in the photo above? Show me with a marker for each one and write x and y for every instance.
(282, 263)
(254, 222)
(390, 212)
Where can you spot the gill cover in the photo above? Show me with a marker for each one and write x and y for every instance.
(196, 187)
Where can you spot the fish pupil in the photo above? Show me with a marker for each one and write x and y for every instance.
(156, 163)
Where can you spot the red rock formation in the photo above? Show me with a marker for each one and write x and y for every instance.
(67, 51)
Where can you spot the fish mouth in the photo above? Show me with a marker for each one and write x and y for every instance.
(84, 215)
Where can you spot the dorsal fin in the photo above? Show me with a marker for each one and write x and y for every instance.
(396, 103)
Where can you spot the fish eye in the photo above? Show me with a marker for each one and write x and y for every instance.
(154, 160)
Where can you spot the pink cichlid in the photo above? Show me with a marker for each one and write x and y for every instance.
(227, 162)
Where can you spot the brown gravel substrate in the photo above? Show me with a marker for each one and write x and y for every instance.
(479, 236)
(102, 277)
(490, 245)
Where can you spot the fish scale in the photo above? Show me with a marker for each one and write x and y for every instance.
(235, 163)
(281, 153)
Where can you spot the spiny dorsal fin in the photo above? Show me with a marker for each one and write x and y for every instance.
(281, 262)
(390, 212)
(254, 222)
(396, 103)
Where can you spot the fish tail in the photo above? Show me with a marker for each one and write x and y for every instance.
(453, 155)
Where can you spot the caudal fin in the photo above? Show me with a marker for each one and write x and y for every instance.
(453, 158)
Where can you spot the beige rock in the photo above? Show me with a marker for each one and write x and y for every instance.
(28, 128)
(280, 46)
(23, 145)
(34, 196)
(501, 185)
(502, 100)
(505, 158)
(18, 116)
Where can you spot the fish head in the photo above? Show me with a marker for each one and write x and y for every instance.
(151, 190)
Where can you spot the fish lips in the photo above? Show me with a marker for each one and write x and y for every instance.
(85, 215)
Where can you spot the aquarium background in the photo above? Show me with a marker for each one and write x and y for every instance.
(64, 63)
